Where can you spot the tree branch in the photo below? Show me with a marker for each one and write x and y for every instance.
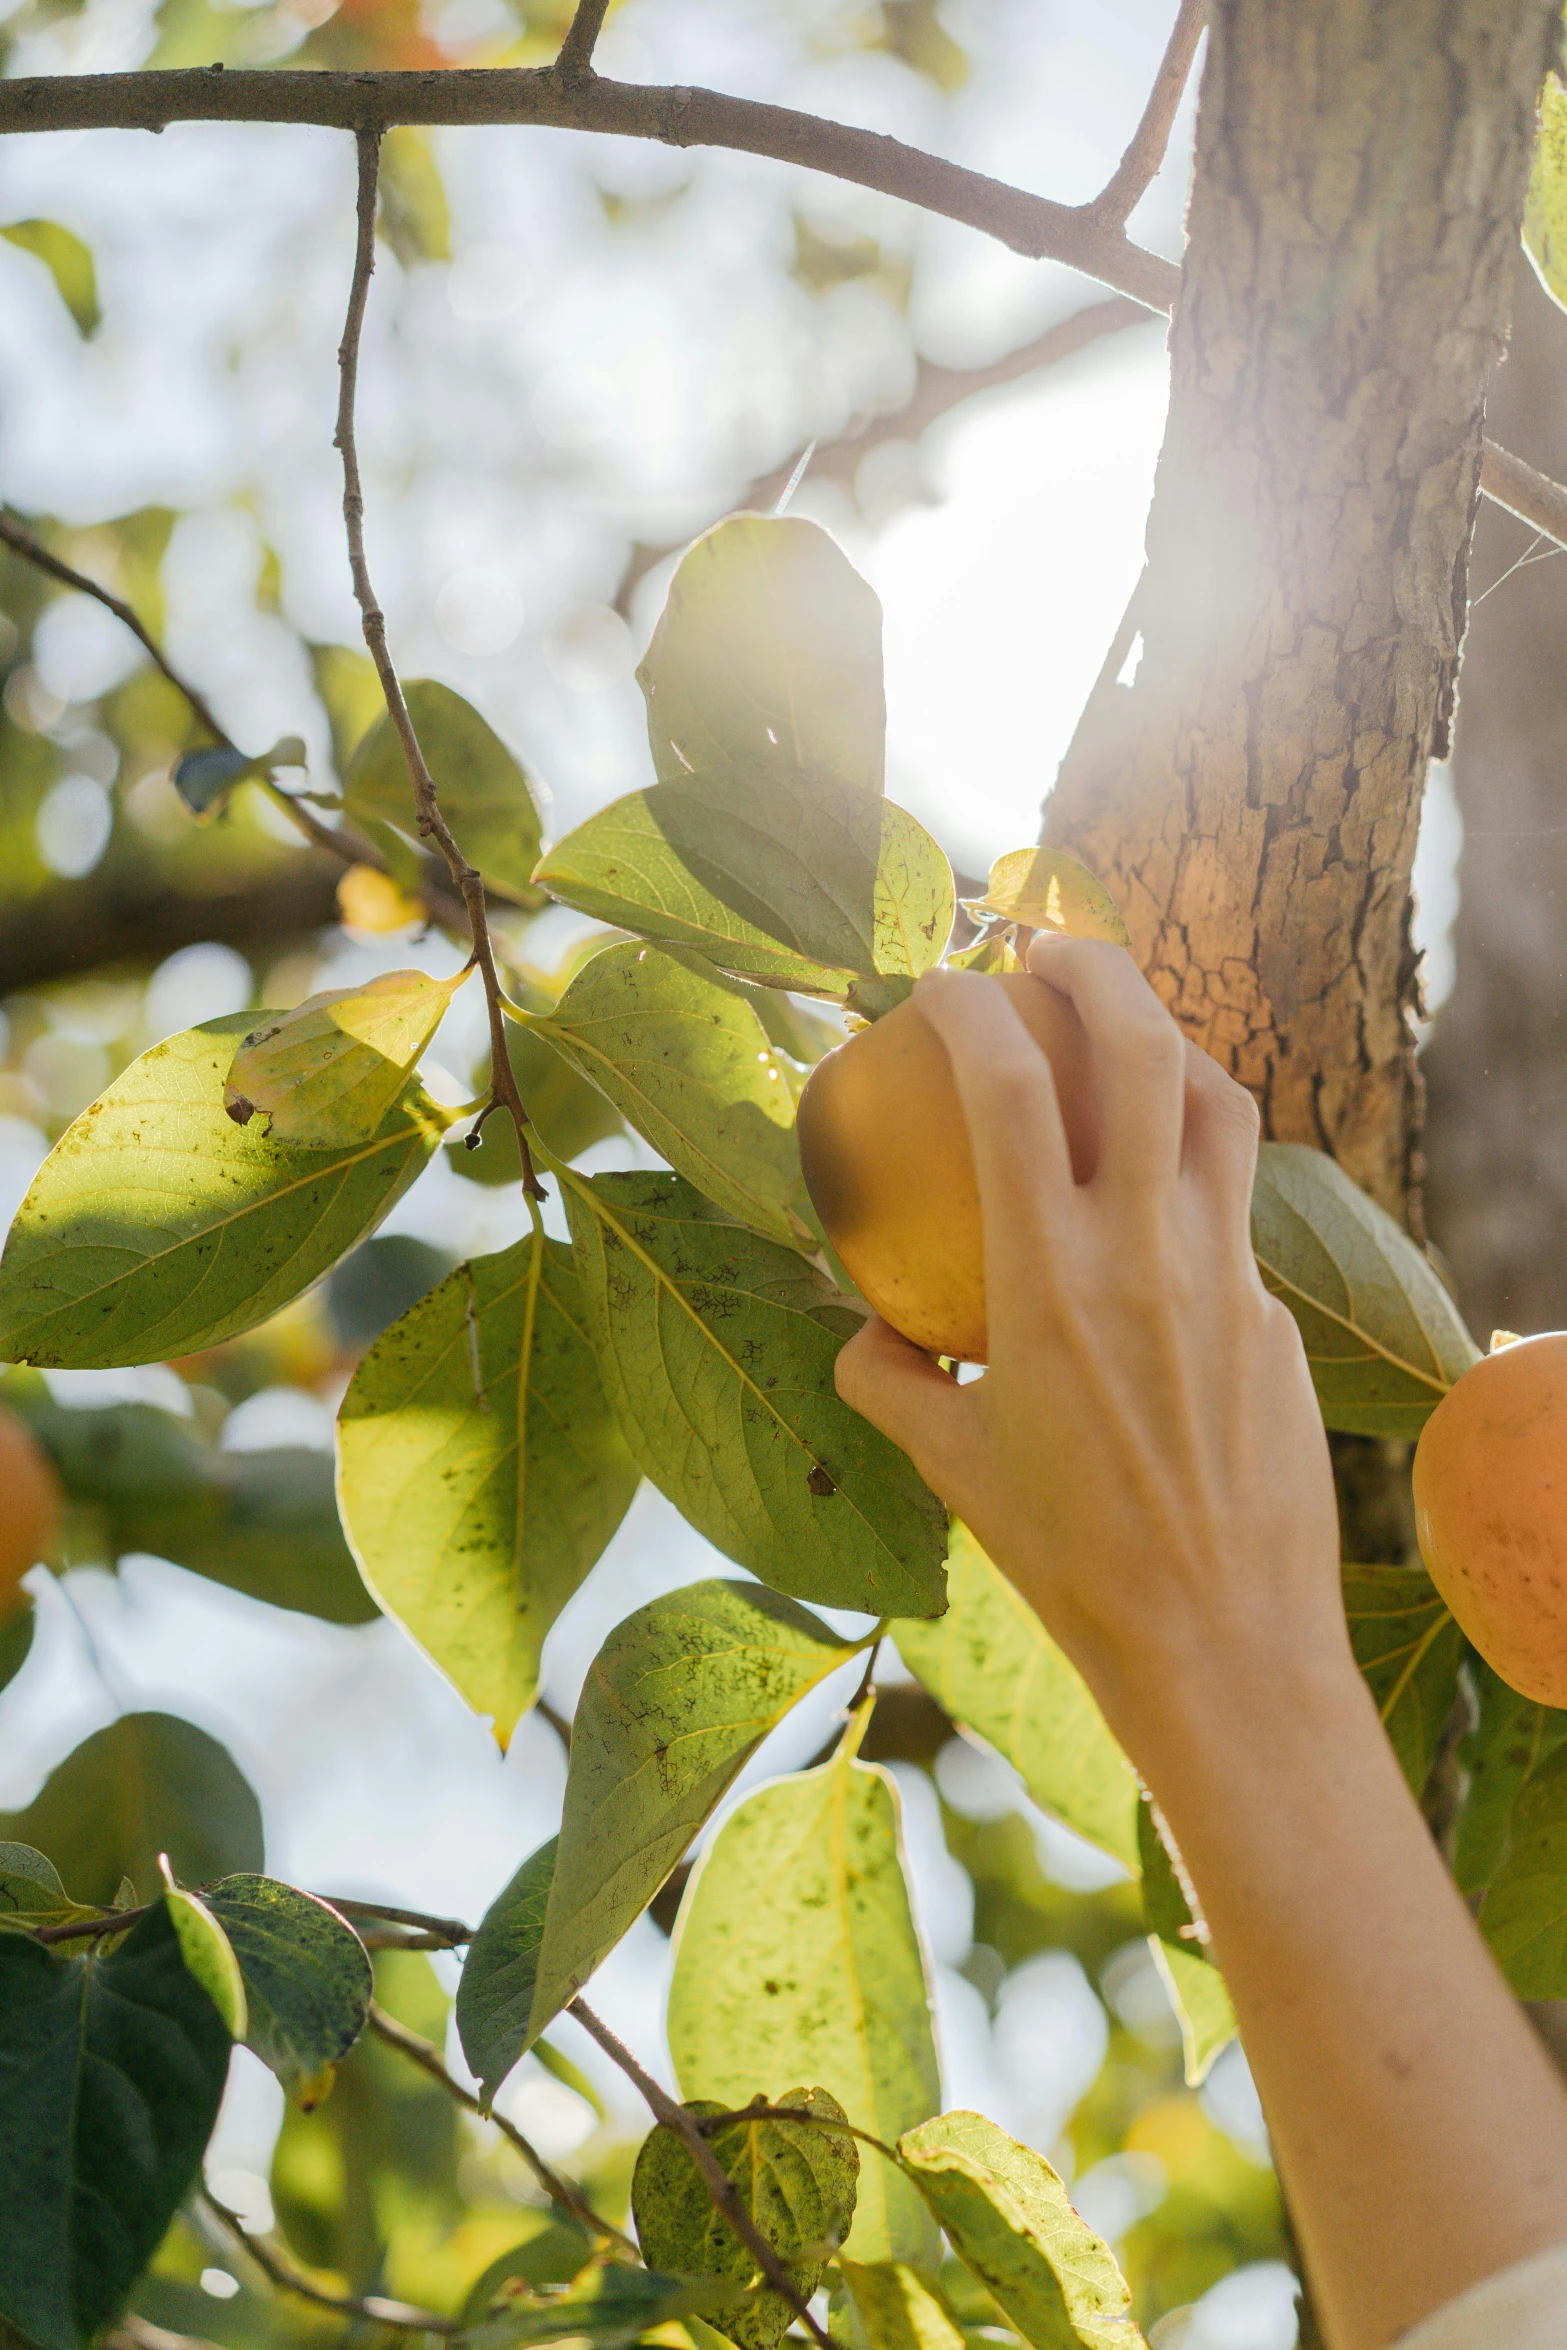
(560, 2191)
(285, 2273)
(1138, 167)
(1508, 481)
(725, 2195)
(432, 824)
(115, 916)
(575, 60)
(452, 1932)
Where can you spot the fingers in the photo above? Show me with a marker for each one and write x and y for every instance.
(905, 1394)
(1022, 1166)
(1139, 1058)
(1219, 1147)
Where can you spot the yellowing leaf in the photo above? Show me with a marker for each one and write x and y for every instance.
(205, 1949)
(69, 262)
(897, 2310)
(1545, 208)
(371, 900)
(1201, 2000)
(326, 1073)
(1045, 889)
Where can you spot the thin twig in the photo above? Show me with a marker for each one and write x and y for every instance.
(1118, 199)
(286, 2274)
(725, 2194)
(574, 62)
(432, 824)
(139, 2333)
(1508, 481)
(760, 2111)
(452, 1930)
(560, 2191)
(90, 1929)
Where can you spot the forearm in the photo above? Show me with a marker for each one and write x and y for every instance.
(1420, 2131)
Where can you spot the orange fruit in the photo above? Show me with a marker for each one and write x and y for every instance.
(1491, 1510)
(890, 1173)
(29, 1506)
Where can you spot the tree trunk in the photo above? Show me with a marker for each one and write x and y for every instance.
(1496, 1066)
(1252, 798)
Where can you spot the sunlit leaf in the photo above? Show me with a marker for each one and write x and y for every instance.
(1384, 1339)
(1512, 1737)
(993, 956)
(767, 659)
(326, 1074)
(156, 1226)
(112, 2068)
(148, 1784)
(991, 1665)
(205, 1949)
(306, 1973)
(716, 1349)
(69, 262)
(679, 1696)
(557, 2251)
(796, 2180)
(796, 1959)
(1045, 889)
(608, 2307)
(413, 217)
(686, 1061)
(495, 1995)
(481, 1470)
(1545, 209)
(484, 794)
(897, 2310)
(1197, 1989)
(1007, 2216)
(31, 1894)
(1409, 1650)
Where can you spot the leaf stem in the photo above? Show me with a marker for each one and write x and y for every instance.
(432, 824)
(760, 2111)
(284, 2272)
(451, 1930)
(560, 2191)
(114, 1921)
(721, 2188)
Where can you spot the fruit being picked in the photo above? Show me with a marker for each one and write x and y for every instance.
(29, 1507)
(890, 1173)
(1491, 1510)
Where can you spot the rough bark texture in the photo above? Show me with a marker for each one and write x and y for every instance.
(1496, 1066)
(1252, 799)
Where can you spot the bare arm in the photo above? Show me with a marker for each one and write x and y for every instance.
(1145, 1458)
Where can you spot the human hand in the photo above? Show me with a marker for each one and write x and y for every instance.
(1144, 1455)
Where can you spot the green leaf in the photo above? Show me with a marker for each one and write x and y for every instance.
(1197, 1990)
(1007, 2217)
(608, 2307)
(328, 1073)
(205, 1949)
(149, 1783)
(1512, 1737)
(796, 2180)
(413, 215)
(820, 891)
(716, 1349)
(1545, 208)
(557, 2251)
(156, 1226)
(686, 1061)
(1384, 1340)
(307, 1976)
(31, 1893)
(16, 1640)
(205, 778)
(1524, 1913)
(485, 796)
(1045, 889)
(991, 1665)
(495, 1994)
(69, 262)
(112, 2068)
(796, 1959)
(567, 1113)
(1409, 1649)
(767, 659)
(481, 1471)
(679, 1697)
(897, 2310)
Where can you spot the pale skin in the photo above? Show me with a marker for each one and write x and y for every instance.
(1145, 1458)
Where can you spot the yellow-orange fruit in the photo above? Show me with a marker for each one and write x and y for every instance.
(29, 1506)
(1491, 1510)
(890, 1173)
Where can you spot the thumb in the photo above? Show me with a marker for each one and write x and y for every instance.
(904, 1392)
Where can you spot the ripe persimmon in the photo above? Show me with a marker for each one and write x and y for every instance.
(889, 1169)
(29, 1506)
(1491, 1510)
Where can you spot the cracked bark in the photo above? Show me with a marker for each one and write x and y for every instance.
(1252, 798)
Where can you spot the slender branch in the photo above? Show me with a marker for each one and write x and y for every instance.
(139, 2333)
(575, 59)
(452, 1931)
(286, 2274)
(725, 2194)
(1138, 167)
(432, 824)
(117, 1921)
(560, 2191)
(1508, 481)
(760, 2111)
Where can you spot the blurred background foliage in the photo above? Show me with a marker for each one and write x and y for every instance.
(580, 352)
